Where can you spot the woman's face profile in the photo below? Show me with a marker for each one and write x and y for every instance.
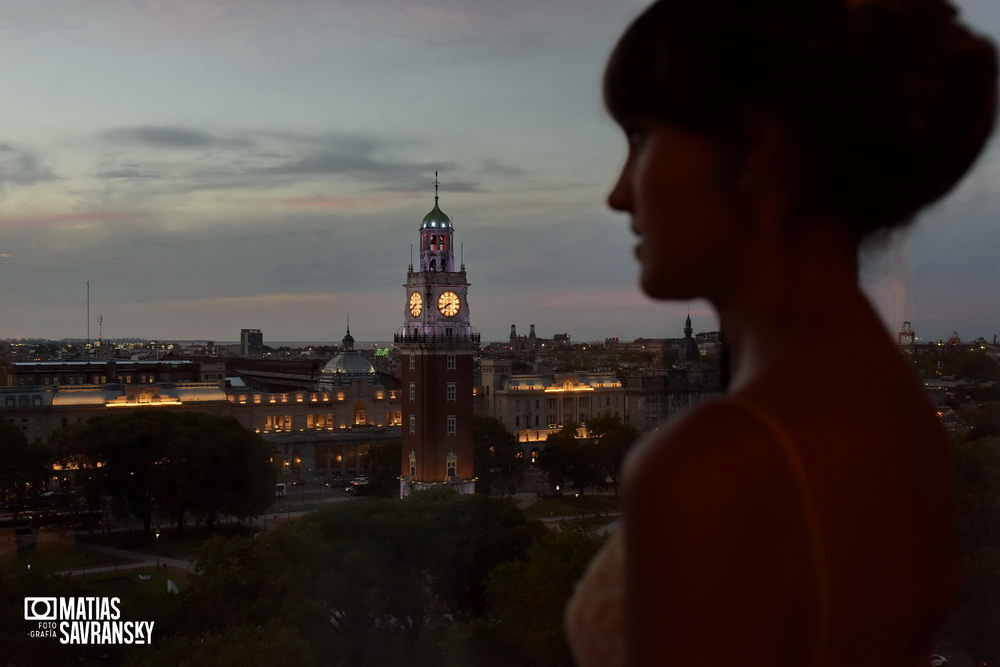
(680, 190)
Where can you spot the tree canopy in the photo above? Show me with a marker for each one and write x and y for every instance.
(500, 463)
(180, 461)
(383, 463)
(22, 464)
(592, 461)
(361, 582)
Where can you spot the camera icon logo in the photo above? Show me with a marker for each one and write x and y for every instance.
(41, 609)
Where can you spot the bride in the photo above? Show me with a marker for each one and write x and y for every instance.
(806, 517)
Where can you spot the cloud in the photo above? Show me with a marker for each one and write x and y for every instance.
(419, 183)
(128, 172)
(20, 166)
(269, 159)
(320, 201)
(33, 221)
(493, 167)
(171, 137)
(357, 155)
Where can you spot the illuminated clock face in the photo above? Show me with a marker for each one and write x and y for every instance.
(416, 304)
(449, 303)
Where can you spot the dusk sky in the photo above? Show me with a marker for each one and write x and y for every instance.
(210, 165)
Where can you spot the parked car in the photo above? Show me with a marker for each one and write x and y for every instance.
(359, 487)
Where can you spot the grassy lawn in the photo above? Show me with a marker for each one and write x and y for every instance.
(50, 553)
(569, 506)
(171, 543)
(122, 583)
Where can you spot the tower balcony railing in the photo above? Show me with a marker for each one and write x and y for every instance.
(453, 339)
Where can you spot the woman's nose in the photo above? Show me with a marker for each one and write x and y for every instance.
(618, 198)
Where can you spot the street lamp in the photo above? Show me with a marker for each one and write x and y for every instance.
(157, 548)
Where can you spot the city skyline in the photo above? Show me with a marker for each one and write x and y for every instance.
(209, 166)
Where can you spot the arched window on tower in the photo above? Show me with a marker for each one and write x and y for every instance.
(434, 243)
(444, 243)
(451, 466)
(433, 266)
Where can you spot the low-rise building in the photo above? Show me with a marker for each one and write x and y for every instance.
(653, 396)
(533, 405)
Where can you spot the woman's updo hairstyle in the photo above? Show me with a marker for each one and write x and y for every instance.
(889, 101)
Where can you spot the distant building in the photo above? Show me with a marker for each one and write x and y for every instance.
(346, 367)
(533, 343)
(43, 397)
(251, 342)
(314, 434)
(906, 336)
(533, 405)
(653, 396)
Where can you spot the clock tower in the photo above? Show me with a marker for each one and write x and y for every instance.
(436, 345)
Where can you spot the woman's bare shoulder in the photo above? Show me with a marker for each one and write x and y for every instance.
(713, 532)
(715, 438)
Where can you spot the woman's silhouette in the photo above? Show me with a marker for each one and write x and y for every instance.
(805, 518)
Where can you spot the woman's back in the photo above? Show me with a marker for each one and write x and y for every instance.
(835, 494)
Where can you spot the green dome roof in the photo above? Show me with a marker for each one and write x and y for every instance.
(436, 218)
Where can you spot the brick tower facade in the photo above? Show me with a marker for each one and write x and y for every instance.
(436, 344)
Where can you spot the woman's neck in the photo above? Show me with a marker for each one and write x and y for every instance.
(788, 295)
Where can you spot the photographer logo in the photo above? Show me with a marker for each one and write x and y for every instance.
(84, 620)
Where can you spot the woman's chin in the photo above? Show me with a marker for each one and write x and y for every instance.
(662, 288)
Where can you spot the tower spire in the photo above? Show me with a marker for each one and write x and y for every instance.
(436, 183)
(348, 339)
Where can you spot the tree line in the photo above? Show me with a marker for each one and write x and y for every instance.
(438, 579)
(182, 463)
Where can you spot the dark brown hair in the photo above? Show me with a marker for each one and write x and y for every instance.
(889, 101)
